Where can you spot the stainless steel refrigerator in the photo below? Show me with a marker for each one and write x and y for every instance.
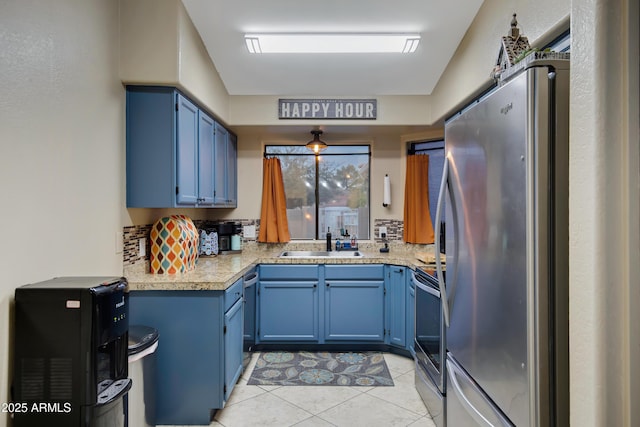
(507, 252)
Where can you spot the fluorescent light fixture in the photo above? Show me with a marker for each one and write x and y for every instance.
(332, 43)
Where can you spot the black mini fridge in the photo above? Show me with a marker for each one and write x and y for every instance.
(70, 352)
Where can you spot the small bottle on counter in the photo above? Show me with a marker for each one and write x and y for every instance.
(328, 239)
(338, 245)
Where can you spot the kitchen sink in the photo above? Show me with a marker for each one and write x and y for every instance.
(321, 254)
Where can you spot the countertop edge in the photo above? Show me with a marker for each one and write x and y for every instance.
(207, 277)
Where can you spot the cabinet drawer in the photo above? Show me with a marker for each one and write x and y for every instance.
(354, 272)
(232, 294)
(288, 272)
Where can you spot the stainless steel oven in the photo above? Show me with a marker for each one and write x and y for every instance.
(430, 345)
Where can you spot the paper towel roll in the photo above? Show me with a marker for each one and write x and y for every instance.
(386, 195)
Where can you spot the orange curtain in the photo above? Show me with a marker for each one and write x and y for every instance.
(417, 220)
(274, 226)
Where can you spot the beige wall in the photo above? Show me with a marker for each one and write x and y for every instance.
(61, 147)
(604, 214)
(149, 42)
(470, 67)
(197, 74)
(391, 110)
(160, 46)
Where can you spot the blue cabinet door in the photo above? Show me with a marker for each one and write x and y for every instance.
(190, 356)
(151, 135)
(226, 168)
(397, 313)
(354, 310)
(205, 159)
(187, 153)
(220, 155)
(233, 320)
(288, 311)
(232, 171)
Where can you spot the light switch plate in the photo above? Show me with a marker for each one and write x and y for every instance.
(249, 231)
(381, 231)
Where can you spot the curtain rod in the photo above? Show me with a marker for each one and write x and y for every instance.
(267, 155)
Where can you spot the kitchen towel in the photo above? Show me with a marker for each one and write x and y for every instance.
(386, 192)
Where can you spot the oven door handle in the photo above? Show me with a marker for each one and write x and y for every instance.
(250, 279)
(424, 287)
(443, 288)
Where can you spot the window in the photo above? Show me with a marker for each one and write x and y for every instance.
(435, 150)
(562, 43)
(330, 190)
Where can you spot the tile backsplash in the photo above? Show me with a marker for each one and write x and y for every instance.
(132, 235)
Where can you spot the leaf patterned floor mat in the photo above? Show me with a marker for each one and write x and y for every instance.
(321, 368)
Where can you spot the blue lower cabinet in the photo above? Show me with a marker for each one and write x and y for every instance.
(288, 311)
(334, 304)
(199, 355)
(233, 341)
(354, 310)
(397, 310)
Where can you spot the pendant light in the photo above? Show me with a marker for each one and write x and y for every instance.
(316, 145)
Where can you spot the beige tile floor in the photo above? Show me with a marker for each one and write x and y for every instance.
(400, 405)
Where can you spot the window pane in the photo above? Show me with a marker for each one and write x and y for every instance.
(435, 150)
(298, 174)
(344, 195)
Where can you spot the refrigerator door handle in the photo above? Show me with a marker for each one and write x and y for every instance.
(473, 412)
(443, 289)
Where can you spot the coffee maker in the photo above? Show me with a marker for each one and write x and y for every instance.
(71, 352)
(230, 237)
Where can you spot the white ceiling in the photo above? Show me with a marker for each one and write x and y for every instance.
(223, 23)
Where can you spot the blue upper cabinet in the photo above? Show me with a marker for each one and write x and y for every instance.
(206, 130)
(232, 170)
(226, 158)
(170, 150)
(186, 152)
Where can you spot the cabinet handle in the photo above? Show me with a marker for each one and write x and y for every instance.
(328, 284)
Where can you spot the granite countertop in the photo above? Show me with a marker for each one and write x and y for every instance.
(220, 272)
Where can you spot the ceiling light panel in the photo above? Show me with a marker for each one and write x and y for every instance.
(332, 43)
